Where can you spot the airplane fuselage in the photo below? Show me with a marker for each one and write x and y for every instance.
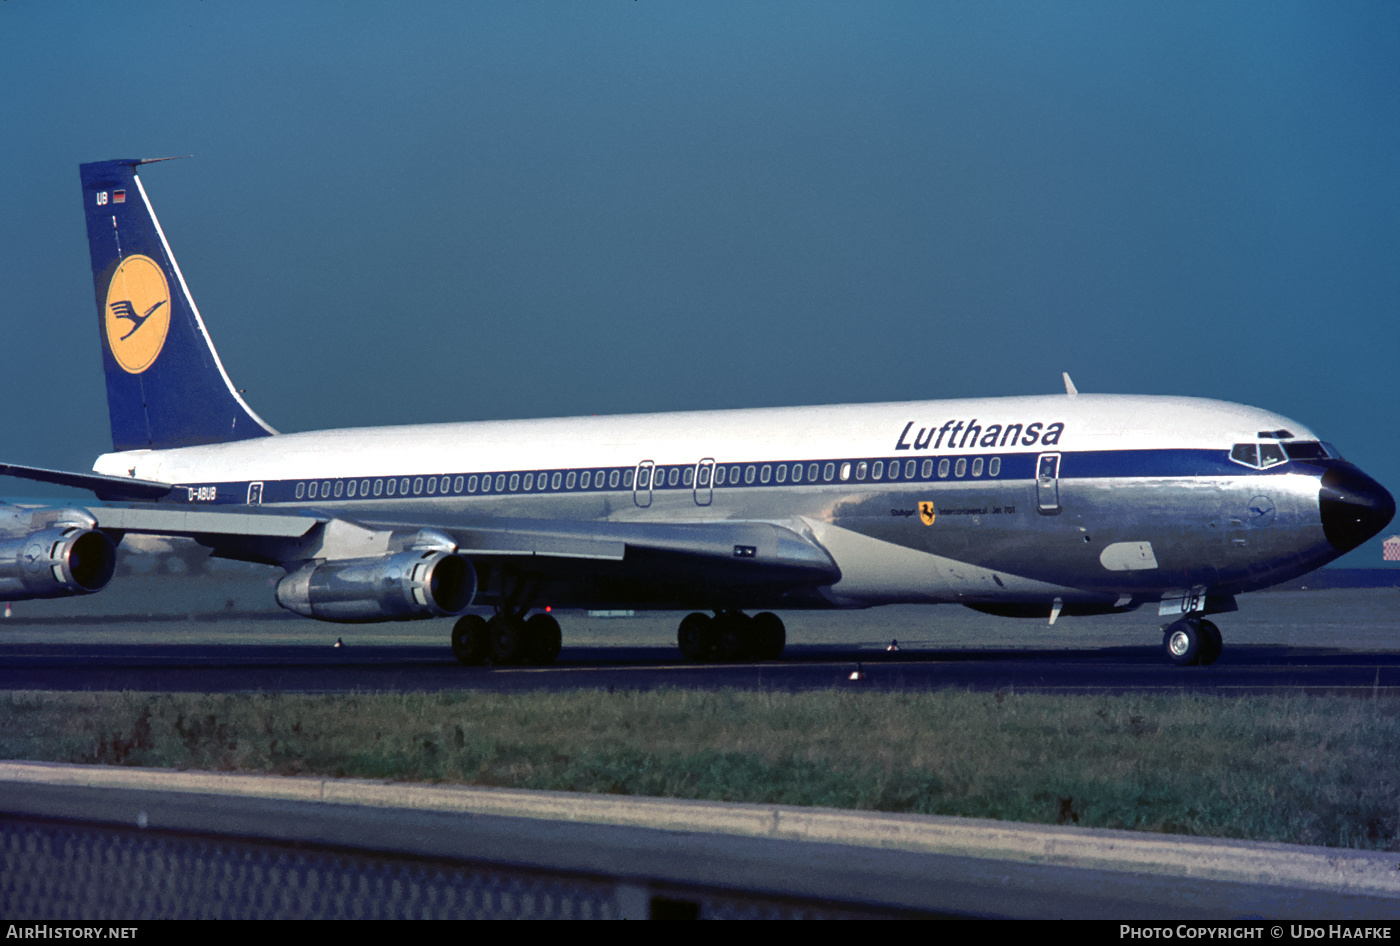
(1098, 500)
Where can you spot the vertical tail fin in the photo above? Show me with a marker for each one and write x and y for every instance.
(165, 384)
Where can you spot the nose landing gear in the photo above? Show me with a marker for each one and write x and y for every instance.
(1192, 642)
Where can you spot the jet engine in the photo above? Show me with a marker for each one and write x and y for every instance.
(402, 586)
(52, 553)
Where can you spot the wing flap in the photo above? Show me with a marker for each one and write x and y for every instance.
(742, 545)
(175, 521)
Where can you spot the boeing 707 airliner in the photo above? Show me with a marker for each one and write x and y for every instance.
(1072, 504)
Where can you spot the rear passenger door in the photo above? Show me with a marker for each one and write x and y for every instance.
(1047, 483)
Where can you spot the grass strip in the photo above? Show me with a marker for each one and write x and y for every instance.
(1294, 769)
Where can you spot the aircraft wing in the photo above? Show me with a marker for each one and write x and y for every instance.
(760, 543)
(579, 562)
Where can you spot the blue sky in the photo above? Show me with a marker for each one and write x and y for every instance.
(469, 211)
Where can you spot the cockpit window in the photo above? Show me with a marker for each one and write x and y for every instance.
(1246, 453)
(1271, 454)
(1263, 455)
(1305, 450)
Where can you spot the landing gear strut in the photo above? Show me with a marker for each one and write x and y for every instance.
(509, 637)
(1192, 642)
(731, 635)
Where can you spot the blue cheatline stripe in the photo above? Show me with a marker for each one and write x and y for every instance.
(759, 474)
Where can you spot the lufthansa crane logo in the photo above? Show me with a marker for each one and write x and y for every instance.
(137, 313)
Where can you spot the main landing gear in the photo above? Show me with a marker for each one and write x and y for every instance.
(1192, 642)
(732, 635)
(508, 638)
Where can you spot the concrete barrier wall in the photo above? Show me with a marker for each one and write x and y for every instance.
(155, 843)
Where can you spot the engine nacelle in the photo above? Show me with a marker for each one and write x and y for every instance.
(403, 586)
(57, 555)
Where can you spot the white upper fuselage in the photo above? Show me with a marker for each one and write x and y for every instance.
(897, 430)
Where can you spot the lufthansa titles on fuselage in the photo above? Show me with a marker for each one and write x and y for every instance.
(974, 434)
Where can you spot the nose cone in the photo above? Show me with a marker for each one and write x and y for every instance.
(1354, 507)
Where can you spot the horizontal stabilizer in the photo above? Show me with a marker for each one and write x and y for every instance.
(111, 488)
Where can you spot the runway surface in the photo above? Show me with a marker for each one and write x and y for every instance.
(305, 669)
(1344, 642)
(299, 668)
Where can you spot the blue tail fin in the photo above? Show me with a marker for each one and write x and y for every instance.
(165, 384)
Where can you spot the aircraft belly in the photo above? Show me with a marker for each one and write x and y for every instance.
(1109, 537)
(874, 571)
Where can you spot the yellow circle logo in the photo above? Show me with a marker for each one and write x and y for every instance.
(138, 313)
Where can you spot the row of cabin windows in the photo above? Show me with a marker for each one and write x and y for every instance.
(349, 489)
(734, 474)
(815, 472)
